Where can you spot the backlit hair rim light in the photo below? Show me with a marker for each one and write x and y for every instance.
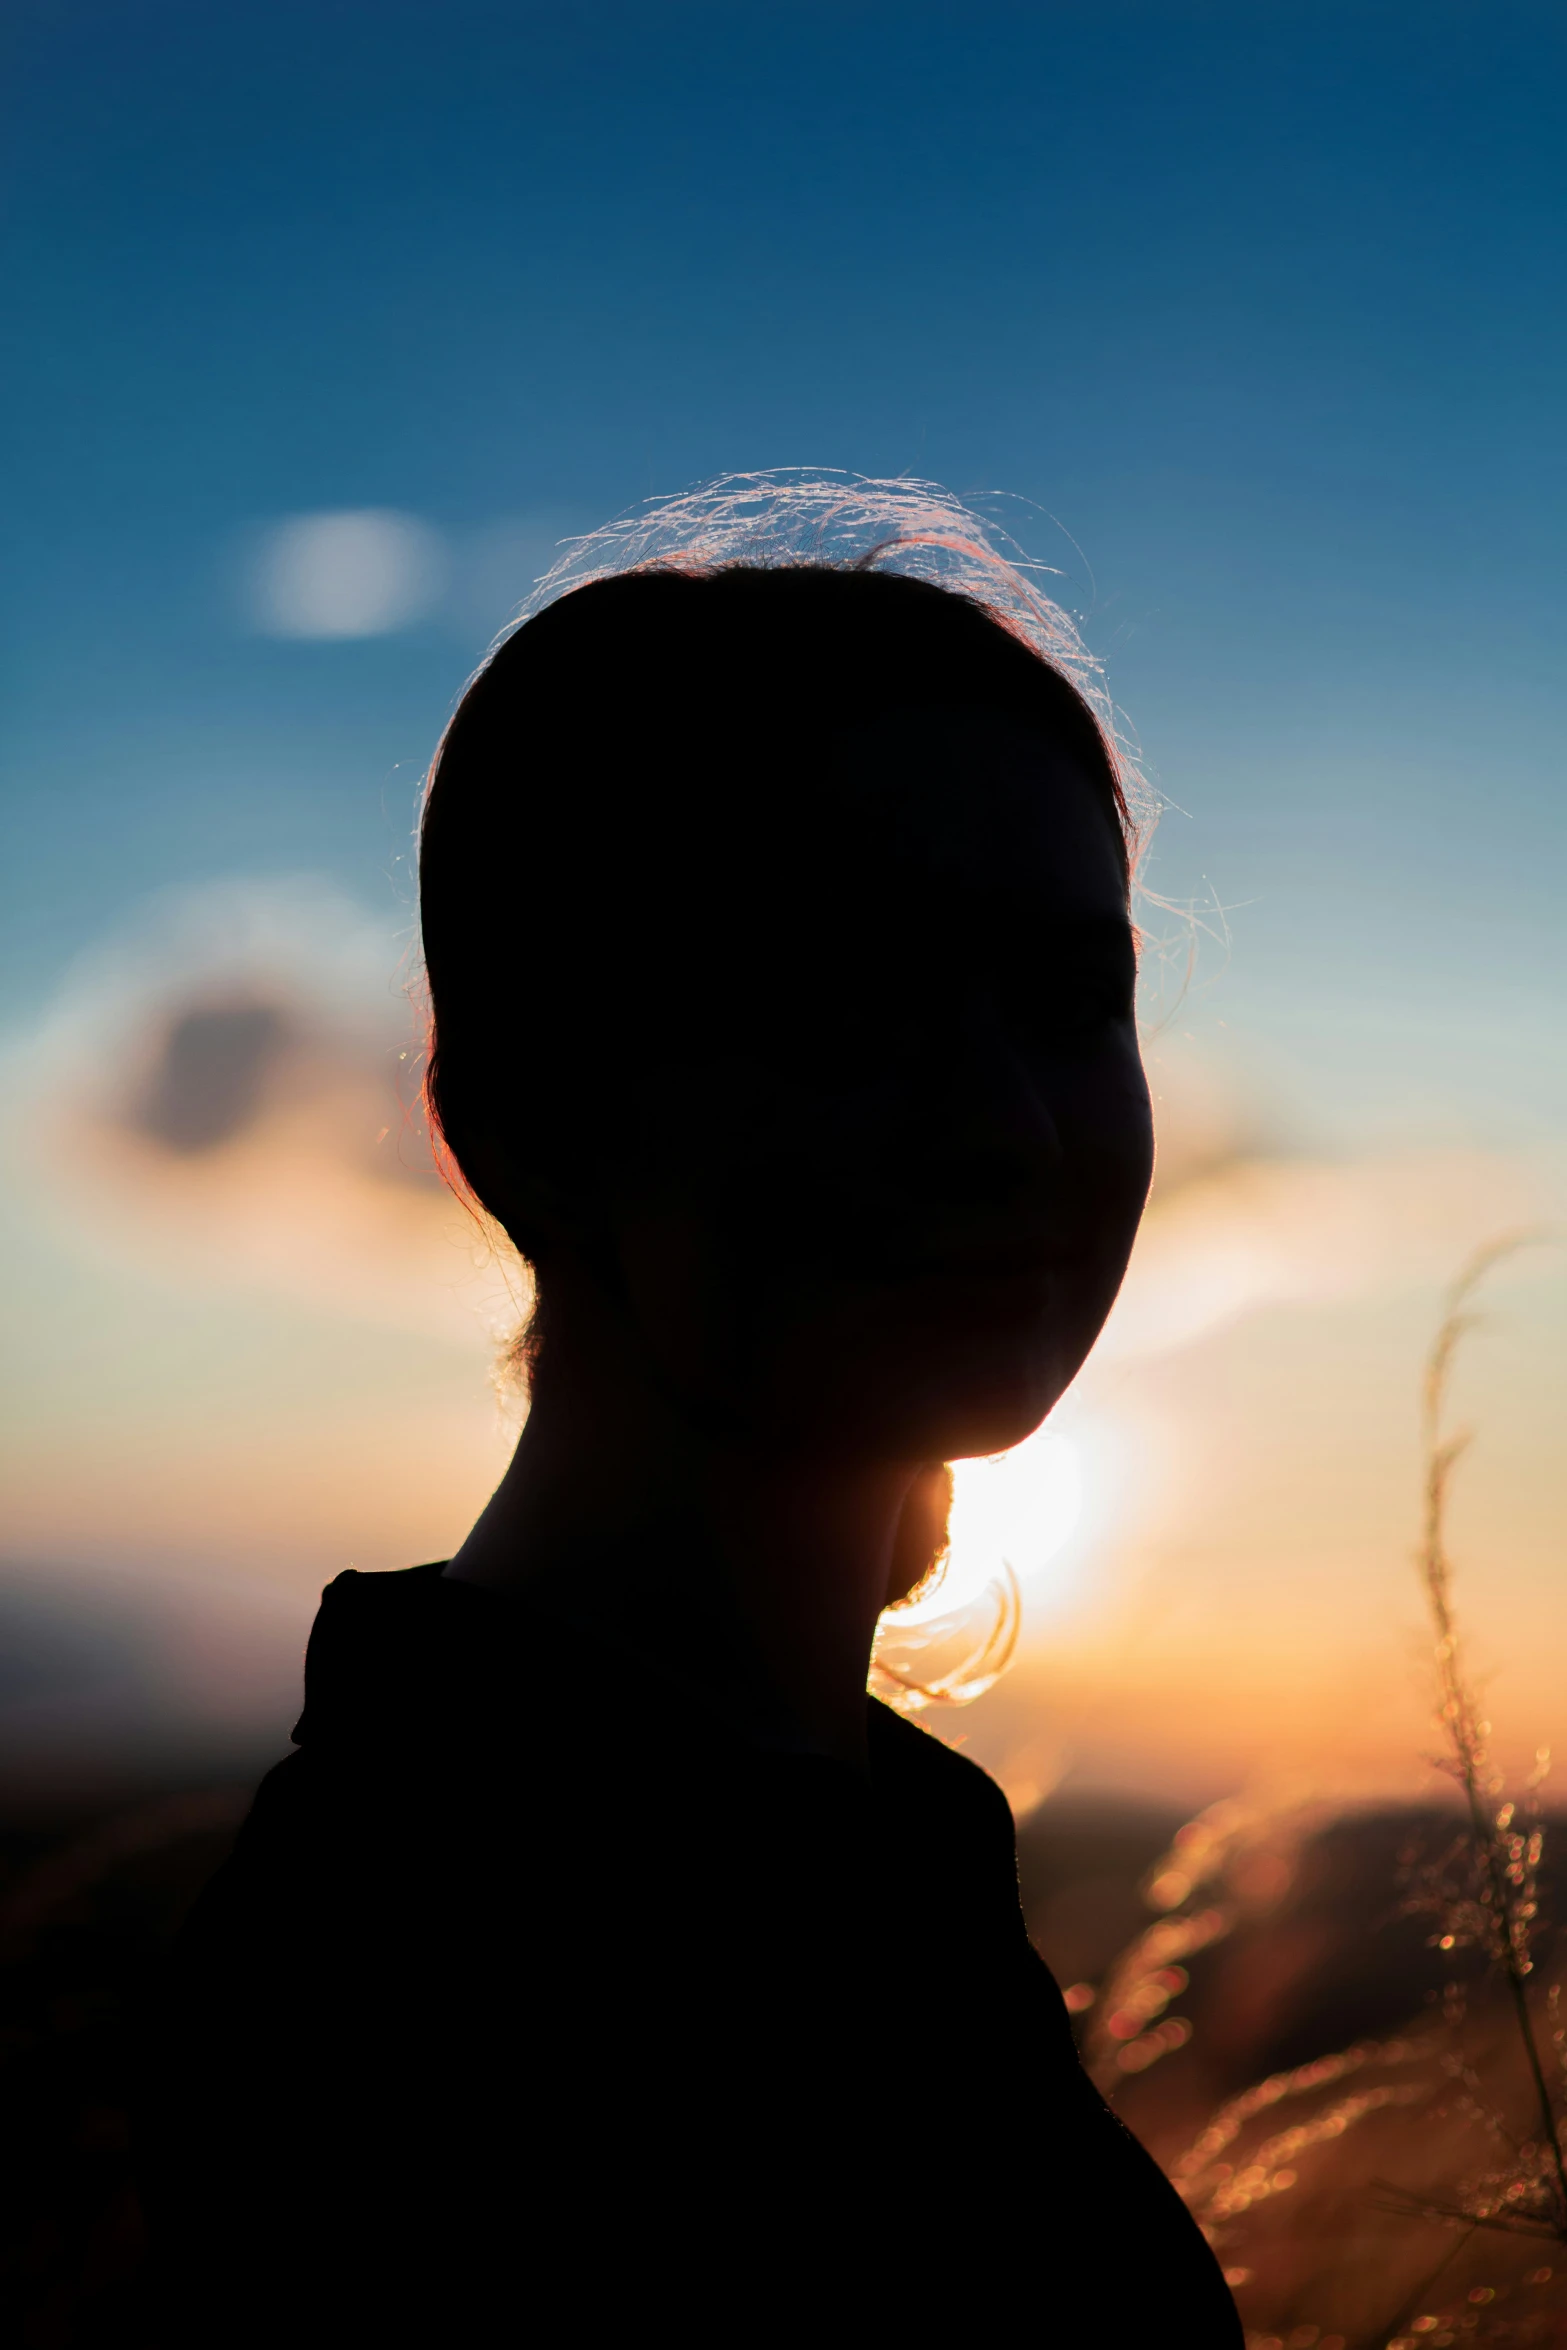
(798, 514)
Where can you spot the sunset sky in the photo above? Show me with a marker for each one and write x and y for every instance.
(327, 322)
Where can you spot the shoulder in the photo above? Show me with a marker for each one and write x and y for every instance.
(376, 1639)
(917, 1759)
(910, 1747)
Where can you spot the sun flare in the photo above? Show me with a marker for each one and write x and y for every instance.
(1015, 1509)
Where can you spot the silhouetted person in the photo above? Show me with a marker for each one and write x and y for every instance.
(605, 1965)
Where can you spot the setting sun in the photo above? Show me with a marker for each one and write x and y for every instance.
(1016, 1509)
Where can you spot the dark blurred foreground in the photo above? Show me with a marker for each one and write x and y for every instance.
(89, 1903)
(1316, 1954)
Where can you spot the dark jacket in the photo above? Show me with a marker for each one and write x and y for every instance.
(515, 2017)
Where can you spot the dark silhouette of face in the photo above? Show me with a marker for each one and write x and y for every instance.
(781, 972)
(877, 1136)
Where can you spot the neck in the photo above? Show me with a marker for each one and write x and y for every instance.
(752, 1576)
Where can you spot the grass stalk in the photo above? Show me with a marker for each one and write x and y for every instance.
(1506, 1884)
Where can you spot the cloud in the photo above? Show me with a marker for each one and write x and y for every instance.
(371, 571)
(227, 1093)
(1270, 1232)
(362, 572)
(1241, 1221)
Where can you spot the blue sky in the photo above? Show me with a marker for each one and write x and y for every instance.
(1264, 305)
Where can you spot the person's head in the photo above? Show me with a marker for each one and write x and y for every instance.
(781, 974)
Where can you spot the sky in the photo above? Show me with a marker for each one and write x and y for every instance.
(327, 322)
